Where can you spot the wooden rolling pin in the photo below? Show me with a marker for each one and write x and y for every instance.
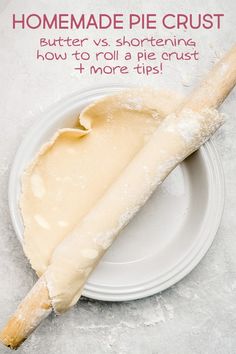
(37, 305)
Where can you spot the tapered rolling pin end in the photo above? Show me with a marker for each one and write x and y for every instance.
(32, 310)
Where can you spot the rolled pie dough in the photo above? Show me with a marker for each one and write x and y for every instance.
(87, 183)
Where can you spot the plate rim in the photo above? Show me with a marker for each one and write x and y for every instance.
(190, 260)
(140, 292)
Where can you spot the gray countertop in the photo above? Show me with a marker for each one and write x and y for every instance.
(195, 316)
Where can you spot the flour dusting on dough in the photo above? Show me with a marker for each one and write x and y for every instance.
(188, 127)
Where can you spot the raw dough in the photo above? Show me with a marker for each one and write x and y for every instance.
(106, 173)
(78, 165)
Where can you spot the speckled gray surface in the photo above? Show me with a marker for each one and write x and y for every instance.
(197, 315)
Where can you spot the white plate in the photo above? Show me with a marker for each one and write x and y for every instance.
(167, 238)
